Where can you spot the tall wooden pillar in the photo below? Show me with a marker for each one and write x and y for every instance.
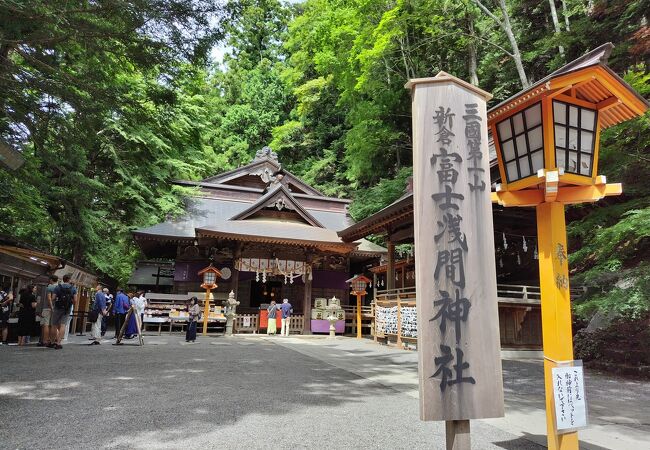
(234, 280)
(306, 305)
(390, 270)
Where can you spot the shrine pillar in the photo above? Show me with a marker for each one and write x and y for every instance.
(306, 306)
(390, 268)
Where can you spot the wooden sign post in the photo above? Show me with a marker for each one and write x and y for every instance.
(458, 324)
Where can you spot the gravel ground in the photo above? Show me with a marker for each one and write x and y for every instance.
(218, 393)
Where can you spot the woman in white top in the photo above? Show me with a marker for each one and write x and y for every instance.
(140, 303)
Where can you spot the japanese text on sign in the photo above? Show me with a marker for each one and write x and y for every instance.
(450, 265)
(569, 393)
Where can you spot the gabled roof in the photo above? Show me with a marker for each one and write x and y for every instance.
(281, 198)
(278, 232)
(266, 166)
(593, 81)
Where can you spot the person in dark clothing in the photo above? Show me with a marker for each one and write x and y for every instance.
(27, 315)
(194, 311)
(109, 309)
(6, 302)
(120, 308)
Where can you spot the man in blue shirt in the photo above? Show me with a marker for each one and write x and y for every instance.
(100, 308)
(286, 309)
(120, 308)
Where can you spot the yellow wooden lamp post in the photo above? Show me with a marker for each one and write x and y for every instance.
(358, 284)
(546, 140)
(209, 275)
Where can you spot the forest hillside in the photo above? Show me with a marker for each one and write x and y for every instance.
(110, 101)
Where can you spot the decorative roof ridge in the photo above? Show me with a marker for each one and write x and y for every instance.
(280, 204)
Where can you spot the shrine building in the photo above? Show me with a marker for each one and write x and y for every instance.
(271, 235)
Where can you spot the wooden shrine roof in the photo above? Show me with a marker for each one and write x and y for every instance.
(233, 206)
(278, 232)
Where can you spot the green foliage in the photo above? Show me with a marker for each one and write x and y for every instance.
(109, 107)
(382, 194)
(612, 238)
(631, 337)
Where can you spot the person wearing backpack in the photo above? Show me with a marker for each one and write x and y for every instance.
(66, 296)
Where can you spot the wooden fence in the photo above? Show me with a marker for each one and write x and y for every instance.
(367, 319)
(249, 323)
(519, 316)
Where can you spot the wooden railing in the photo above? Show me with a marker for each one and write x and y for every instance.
(388, 308)
(249, 323)
(367, 319)
(507, 293)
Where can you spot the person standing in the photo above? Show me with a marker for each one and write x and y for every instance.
(194, 311)
(6, 301)
(44, 311)
(272, 327)
(27, 315)
(100, 308)
(120, 308)
(109, 308)
(140, 303)
(131, 326)
(70, 315)
(65, 296)
(286, 309)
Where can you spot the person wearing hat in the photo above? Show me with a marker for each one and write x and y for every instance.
(194, 311)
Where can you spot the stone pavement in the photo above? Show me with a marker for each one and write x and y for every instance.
(618, 408)
(241, 392)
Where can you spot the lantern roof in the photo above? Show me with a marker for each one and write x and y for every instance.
(587, 78)
(359, 278)
(210, 268)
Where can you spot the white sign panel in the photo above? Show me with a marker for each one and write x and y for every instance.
(247, 322)
(569, 393)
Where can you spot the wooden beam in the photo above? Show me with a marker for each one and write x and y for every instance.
(581, 194)
(607, 103)
(526, 197)
(402, 235)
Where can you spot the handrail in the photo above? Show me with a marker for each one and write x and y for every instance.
(525, 293)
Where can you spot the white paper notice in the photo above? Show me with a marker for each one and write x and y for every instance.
(247, 321)
(569, 392)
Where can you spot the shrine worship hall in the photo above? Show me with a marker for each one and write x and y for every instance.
(271, 236)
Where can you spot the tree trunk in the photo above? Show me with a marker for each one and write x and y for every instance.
(516, 55)
(565, 13)
(507, 29)
(556, 24)
(471, 50)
